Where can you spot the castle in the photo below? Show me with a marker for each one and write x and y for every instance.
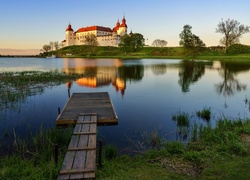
(105, 35)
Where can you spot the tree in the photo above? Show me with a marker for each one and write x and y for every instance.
(56, 45)
(192, 43)
(91, 41)
(125, 43)
(131, 43)
(46, 48)
(159, 43)
(137, 41)
(232, 31)
(51, 45)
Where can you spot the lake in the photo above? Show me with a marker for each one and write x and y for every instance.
(146, 93)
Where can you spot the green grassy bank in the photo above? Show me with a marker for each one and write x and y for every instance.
(209, 53)
(218, 153)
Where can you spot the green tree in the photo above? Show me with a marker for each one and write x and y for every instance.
(232, 31)
(137, 40)
(131, 43)
(192, 43)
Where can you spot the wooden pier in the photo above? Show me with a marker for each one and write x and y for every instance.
(78, 103)
(85, 110)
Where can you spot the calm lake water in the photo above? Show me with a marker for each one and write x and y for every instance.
(146, 94)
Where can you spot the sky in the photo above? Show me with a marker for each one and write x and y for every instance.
(30, 24)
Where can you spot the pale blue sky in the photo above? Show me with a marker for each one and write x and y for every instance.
(29, 24)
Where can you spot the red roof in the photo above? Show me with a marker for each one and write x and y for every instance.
(94, 28)
(123, 23)
(69, 28)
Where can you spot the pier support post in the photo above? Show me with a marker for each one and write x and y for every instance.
(69, 93)
(56, 153)
(59, 110)
(100, 154)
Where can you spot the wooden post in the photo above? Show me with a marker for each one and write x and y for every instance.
(69, 93)
(100, 154)
(59, 110)
(56, 153)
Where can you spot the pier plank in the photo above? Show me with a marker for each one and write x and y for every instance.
(80, 159)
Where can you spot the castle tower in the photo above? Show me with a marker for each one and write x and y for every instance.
(69, 33)
(123, 27)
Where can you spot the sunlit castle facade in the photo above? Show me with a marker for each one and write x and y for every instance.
(105, 35)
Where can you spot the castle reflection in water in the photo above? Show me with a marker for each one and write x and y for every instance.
(98, 73)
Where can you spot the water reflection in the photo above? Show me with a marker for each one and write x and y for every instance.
(159, 69)
(230, 83)
(189, 73)
(100, 74)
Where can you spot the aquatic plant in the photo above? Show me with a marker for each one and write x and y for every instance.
(15, 87)
(183, 124)
(110, 152)
(204, 114)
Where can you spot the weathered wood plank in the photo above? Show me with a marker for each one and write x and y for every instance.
(99, 103)
(83, 133)
(80, 159)
(82, 148)
(76, 171)
(74, 141)
(67, 164)
(79, 163)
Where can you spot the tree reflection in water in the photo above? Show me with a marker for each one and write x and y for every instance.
(230, 84)
(190, 72)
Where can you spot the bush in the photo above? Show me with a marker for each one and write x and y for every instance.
(238, 49)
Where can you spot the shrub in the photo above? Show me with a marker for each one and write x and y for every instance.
(238, 49)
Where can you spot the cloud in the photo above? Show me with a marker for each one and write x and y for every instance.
(19, 51)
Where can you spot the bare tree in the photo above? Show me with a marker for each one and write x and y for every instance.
(159, 43)
(91, 40)
(51, 45)
(232, 31)
(46, 48)
(56, 45)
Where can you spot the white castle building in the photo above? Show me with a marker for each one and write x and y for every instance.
(105, 35)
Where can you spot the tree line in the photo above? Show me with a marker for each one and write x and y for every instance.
(231, 30)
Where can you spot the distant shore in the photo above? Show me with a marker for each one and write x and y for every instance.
(19, 56)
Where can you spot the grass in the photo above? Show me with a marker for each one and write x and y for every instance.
(33, 157)
(218, 153)
(146, 52)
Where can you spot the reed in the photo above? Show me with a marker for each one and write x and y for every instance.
(33, 157)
